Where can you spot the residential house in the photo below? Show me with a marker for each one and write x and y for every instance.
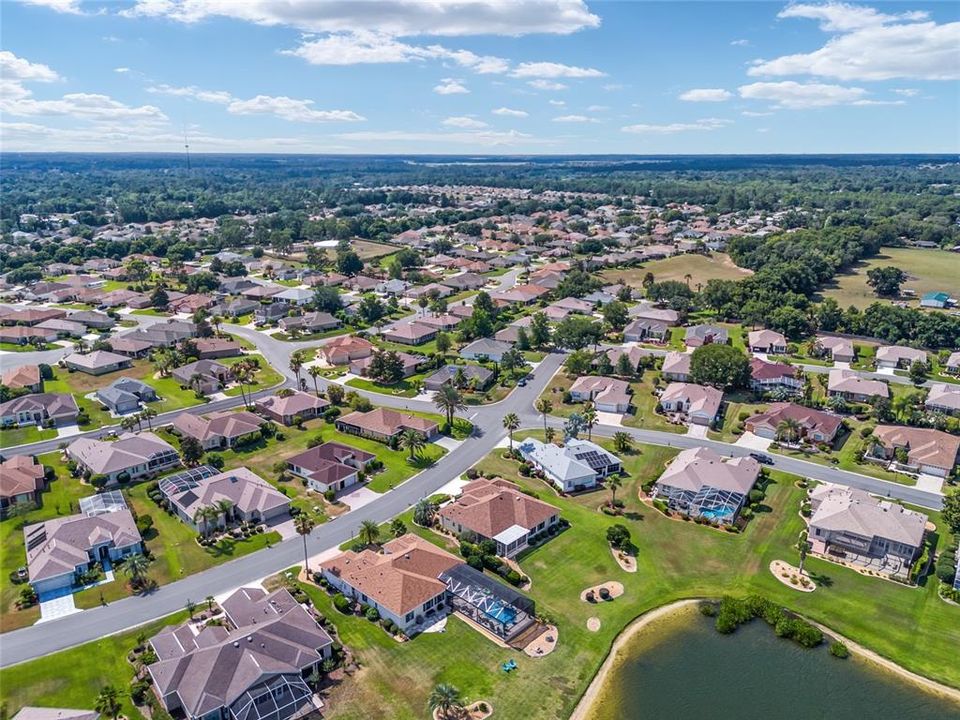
(952, 366)
(635, 356)
(768, 376)
(899, 356)
(410, 333)
(464, 281)
(130, 457)
(60, 548)
(836, 348)
(676, 366)
(402, 581)
(521, 294)
(330, 466)
(392, 287)
(23, 377)
(943, 397)
(411, 363)
(238, 307)
(93, 319)
(251, 498)
(932, 452)
(22, 479)
(205, 376)
(311, 322)
(813, 426)
(55, 409)
(125, 395)
(130, 346)
(268, 314)
(850, 525)
(700, 335)
(647, 330)
(647, 311)
(219, 430)
(383, 424)
(766, 341)
(496, 510)
(343, 350)
(31, 316)
(701, 483)
(850, 386)
(98, 362)
(23, 335)
(606, 393)
(285, 409)
(578, 465)
(257, 667)
(210, 348)
(64, 328)
(485, 349)
(296, 297)
(473, 375)
(699, 403)
(431, 290)
(445, 322)
(935, 300)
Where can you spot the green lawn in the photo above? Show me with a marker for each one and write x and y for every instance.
(151, 311)
(22, 436)
(407, 387)
(264, 377)
(313, 336)
(911, 626)
(927, 271)
(17, 347)
(735, 406)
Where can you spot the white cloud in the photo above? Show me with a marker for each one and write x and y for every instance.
(869, 45)
(290, 109)
(484, 138)
(17, 68)
(704, 124)
(553, 70)
(574, 119)
(71, 7)
(741, 42)
(465, 122)
(795, 96)
(83, 106)
(212, 96)
(121, 70)
(611, 87)
(763, 130)
(510, 112)
(557, 103)
(546, 85)
(450, 86)
(907, 92)
(598, 108)
(706, 95)
(751, 113)
(394, 17)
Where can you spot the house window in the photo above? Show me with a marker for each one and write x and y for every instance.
(409, 617)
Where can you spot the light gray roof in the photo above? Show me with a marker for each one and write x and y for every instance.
(245, 489)
(130, 450)
(845, 509)
(696, 468)
(95, 359)
(565, 463)
(43, 713)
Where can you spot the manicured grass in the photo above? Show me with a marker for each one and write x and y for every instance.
(701, 268)
(264, 377)
(151, 311)
(927, 271)
(732, 418)
(407, 387)
(10, 437)
(73, 678)
(313, 336)
(17, 347)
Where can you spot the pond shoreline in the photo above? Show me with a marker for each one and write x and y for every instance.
(590, 696)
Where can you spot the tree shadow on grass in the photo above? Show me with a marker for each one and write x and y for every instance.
(821, 579)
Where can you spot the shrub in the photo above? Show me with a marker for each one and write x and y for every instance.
(372, 614)
(755, 496)
(618, 535)
(471, 474)
(514, 578)
(215, 460)
(839, 650)
(342, 603)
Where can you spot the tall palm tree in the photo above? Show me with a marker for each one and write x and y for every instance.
(209, 600)
(304, 524)
(202, 518)
(163, 360)
(590, 419)
(195, 381)
(224, 507)
(413, 441)
(148, 414)
(135, 567)
(128, 422)
(369, 532)
(445, 700)
(296, 364)
(549, 434)
(788, 429)
(242, 374)
(613, 482)
(139, 420)
(108, 702)
(622, 441)
(449, 400)
(544, 407)
(315, 373)
(511, 422)
(216, 320)
(687, 278)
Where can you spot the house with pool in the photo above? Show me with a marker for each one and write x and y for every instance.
(701, 483)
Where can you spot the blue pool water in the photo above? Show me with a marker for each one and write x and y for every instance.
(502, 613)
(716, 514)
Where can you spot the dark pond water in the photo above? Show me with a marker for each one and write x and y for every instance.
(681, 667)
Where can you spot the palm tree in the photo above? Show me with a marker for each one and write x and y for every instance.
(135, 567)
(590, 419)
(449, 400)
(225, 508)
(803, 546)
(128, 422)
(209, 600)
(203, 517)
(445, 700)
(108, 702)
(688, 277)
(191, 607)
(163, 359)
(195, 381)
(315, 372)
(613, 482)
(544, 407)
(622, 441)
(296, 364)
(216, 320)
(304, 524)
(413, 441)
(369, 532)
(139, 420)
(788, 429)
(511, 422)
(148, 414)
(549, 434)
(242, 374)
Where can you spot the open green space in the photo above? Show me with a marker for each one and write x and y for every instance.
(29, 347)
(263, 377)
(927, 271)
(10, 437)
(700, 268)
(408, 387)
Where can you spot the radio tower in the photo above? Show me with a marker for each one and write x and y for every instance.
(186, 146)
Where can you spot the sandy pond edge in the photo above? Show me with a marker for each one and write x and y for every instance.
(589, 697)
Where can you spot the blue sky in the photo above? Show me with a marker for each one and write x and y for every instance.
(479, 76)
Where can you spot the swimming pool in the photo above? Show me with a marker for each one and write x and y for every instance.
(719, 514)
(502, 613)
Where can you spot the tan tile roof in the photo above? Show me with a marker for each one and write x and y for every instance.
(20, 474)
(809, 419)
(385, 421)
(23, 376)
(488, 507)
(924, 446)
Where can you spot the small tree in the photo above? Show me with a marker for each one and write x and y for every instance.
(511, 422)
(622, 442)
(190, 607)
(614, 482)
(918, 372)
(445, 700)
(544, 407)
(618, 536)
(423, 512)
(412, 441)
(108, 702)
(191, 450)
(304, 524)
(369, 532)
(398, 527)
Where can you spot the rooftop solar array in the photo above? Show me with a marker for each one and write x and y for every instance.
(186, 479)
(596, 460)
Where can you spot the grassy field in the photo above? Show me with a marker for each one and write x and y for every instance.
(264, 377)
(911, 626)
(700, 267)
(22, 436)
(17, 347)
(927, 270)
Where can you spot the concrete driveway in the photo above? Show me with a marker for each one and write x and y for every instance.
(697, 431)
(754, 442)
(284, 526)
(608, 418)
(57, 607)
(359, 497)
(930, 483)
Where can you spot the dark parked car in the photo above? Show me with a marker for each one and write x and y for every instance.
(761, 458)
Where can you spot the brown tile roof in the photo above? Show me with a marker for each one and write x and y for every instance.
(222, 424)
(924, 446)
(20, 474)
(401, 578)
(488, 507)
(385, 421)
(810, 420)
(23, 376)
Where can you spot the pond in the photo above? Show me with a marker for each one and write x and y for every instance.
(680, 667)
